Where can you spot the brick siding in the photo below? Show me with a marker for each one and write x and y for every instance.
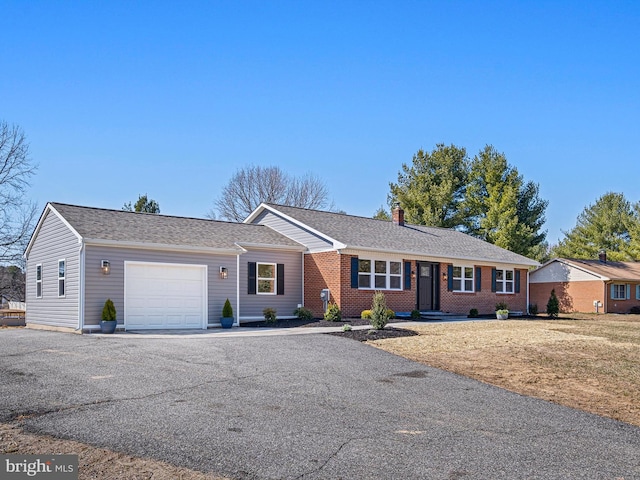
(333, 271)
(485, 300)
(572, 296)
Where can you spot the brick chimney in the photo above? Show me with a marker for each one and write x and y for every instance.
(602, 256)
(398, 215)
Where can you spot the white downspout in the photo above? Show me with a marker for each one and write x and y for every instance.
(302, 299)
(81, 288)
(528, 301)
(238, 288)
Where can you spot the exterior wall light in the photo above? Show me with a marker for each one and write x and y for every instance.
(224, 273)
(106, 267)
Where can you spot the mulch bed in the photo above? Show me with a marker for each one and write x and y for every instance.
(365, 335)
(316, 322)
(359, 335)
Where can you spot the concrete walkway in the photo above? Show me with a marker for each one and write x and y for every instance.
(262, 331)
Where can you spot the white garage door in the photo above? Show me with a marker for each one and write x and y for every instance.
(160, 295)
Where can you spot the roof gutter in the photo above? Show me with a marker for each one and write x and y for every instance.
(416, 255)
(161, 246)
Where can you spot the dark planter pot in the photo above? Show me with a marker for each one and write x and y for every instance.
(226, 322)
(108, 326)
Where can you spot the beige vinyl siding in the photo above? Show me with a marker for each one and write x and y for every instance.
(54, 242)
(251, 306)
(99, 287)
(293, 231)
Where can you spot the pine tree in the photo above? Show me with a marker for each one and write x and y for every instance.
(432, 188)
(553, 306)
(604, 225)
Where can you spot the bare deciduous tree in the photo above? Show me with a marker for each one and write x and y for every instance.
(253, 185)
(17, 214)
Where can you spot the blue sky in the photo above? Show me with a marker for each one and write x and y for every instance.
(171, 98)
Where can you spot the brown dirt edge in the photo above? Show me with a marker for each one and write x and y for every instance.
(93, 462)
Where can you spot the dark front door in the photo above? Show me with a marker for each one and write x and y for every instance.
(428, 287)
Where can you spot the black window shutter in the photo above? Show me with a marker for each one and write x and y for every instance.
(407, 275)
(517, 287)
(354, 272)
(450, 277)
(251, 286)
(493, 279)
(280, 279)
(478, 279)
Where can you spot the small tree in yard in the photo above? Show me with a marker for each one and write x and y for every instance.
(553, 306)
(379, 312)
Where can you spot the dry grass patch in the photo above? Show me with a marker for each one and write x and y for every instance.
(586, 362)
(94, 463)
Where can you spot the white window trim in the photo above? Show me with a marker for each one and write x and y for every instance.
(372, 274)
(624, 292)
(463, 278)
(504, 281)
(39, 281)
(274, 278)
(62, 279)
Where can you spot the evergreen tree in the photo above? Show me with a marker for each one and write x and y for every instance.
(432, 188)
(607, 224)
(379, 311)
(553, 305)
(382, 214)
(144, 204)
(633, 226)
(501, 208)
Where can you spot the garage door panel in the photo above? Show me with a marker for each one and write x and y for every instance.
(165, 296)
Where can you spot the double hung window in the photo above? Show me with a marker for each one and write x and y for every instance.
(462, 279)
(504, 281)
(379, 274)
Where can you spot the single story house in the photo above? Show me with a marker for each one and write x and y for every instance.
(173, 272)
(417, 267)
(587, 285)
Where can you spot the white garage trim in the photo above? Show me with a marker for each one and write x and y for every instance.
(165, 295)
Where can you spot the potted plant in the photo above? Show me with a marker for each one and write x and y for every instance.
(501, 311)
(108, 322)
(227, 315)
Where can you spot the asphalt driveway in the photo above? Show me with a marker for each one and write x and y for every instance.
(303, 406)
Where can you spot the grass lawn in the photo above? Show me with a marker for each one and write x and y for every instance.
(589, 362)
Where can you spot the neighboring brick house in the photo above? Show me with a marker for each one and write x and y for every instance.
(417, 267)
(580, 284)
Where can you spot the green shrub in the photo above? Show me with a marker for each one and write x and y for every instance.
(227, 311)
(415, 314)
(346, 328)
(108, 311)
(333, 313)
(270, 315)
(366, 314)
(379, 311)
(303, 313)
(501, 306)
(473, 313)
(533, 309)
(553, 306)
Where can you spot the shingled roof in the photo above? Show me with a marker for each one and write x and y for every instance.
(371, 234)
(103, 225)
(620, 271)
